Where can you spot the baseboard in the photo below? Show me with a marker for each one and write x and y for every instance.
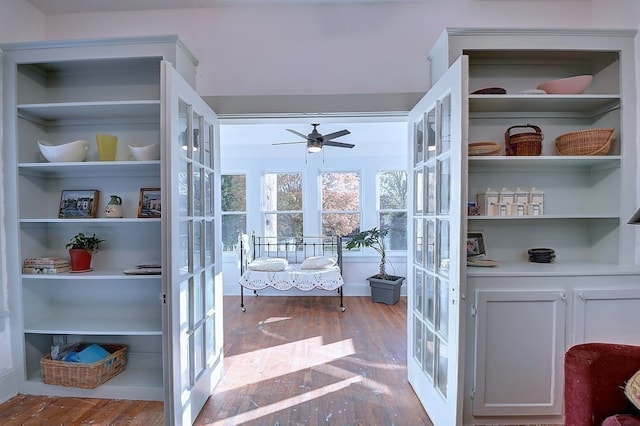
(8, 384)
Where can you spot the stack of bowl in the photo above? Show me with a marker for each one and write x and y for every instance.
(541, 255)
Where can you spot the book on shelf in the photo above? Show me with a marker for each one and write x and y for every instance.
(54, 261)
(45, 269)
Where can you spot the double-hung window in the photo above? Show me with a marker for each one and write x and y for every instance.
(234, 209)
(340, 203)
(392, 207)
(283, 204)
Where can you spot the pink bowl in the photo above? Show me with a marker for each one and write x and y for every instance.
(567, 86)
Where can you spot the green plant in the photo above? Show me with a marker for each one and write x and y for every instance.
(373, 238)
(82, 241)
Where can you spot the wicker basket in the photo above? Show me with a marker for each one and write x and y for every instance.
(87, 376)
(585, 142)
(523, 144)
(484, 148)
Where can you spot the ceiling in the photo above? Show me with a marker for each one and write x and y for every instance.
(53, 7)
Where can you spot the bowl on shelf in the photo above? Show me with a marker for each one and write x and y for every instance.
(145, 153)
(68, 152)
(567, 86)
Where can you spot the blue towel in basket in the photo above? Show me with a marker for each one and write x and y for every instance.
(89, 355)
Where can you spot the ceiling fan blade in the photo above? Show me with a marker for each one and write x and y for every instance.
(288, 143)
(297, 133)
(338, 144)
(335, 135)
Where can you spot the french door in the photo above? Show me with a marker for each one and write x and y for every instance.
(193, 284)
(436, 303)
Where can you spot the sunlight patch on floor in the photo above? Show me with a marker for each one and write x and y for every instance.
(274, 319)
(266, 364)
(288, 403)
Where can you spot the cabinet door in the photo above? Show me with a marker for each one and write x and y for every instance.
(436, 282)
(520, 347)
(194, 285)
(610, 315)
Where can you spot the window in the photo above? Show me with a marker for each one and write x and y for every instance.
(283, 204)
(234, 210)
(392, 207)
(340, 203)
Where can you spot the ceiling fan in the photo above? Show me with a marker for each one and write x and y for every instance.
(315, 141)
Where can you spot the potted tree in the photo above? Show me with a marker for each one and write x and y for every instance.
(385, 288)
(81, 248)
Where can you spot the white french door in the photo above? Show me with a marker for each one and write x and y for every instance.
(435, 313)
(191, 227)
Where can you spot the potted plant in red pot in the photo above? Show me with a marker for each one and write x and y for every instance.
(385, 288)
(81, 248)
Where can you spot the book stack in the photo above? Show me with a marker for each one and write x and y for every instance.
(45, 265)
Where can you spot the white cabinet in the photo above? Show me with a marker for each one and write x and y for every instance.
(66, 91)
(528, 314)
(519, 352)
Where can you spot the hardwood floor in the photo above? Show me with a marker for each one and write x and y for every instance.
(288, 360)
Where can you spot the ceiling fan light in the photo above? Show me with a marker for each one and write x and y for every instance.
(314, 146)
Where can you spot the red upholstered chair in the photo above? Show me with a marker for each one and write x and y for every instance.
(594, 379)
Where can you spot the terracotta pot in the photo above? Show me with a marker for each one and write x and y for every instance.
(80, 259)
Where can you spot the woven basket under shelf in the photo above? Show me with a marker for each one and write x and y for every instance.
(585, 142)
(87, 376)
(523, 144)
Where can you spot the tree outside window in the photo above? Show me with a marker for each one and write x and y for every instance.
(392, 207)
(234, 210)
(283, 204)
(340, 203)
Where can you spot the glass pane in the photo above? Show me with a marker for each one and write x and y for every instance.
(184, 306)
(232, 226)
(430, 299)
(283, 191)
(443, 308)
(418, 244)
(194, 145)
(197, 244)
(198, 352)
(430, 178)
(418, 292)
(210, 242)
(207, 145)
(396, 223)
(392, 187)
(419, 142)
(430, 236)
(443, 364)
(183, 188)
(429, 352)
(210, 332)
(185, 362)
(340, 223)
(341, 191)
(185, 243)
(418, 343)
(234, 193)
(444, 180)
(283, 224)
(445, 124)
(198, 191)
(443, 248)
(208, 194)
(183, 113)
(209, 291)
(418, 180)
(431, 134)
(198, 297)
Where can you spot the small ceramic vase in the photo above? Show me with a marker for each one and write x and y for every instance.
(114, 207)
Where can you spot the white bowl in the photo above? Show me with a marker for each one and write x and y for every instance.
(145, 153)
(71, 151)
(567, 86)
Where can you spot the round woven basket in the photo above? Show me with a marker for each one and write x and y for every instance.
(484, 148)
(585, 142)
(523, 144)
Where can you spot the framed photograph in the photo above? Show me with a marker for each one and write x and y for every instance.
(80, 203)
(150, 204)
(475, 244)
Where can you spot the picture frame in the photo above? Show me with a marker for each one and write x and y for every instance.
(476, 244)
(78, 203)
(150, 203)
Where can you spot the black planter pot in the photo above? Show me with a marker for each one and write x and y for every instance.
(385, 291)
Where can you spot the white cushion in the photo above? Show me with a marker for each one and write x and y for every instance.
(318, 262)
(268, 264)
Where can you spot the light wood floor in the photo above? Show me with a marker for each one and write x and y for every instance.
(288, 360)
